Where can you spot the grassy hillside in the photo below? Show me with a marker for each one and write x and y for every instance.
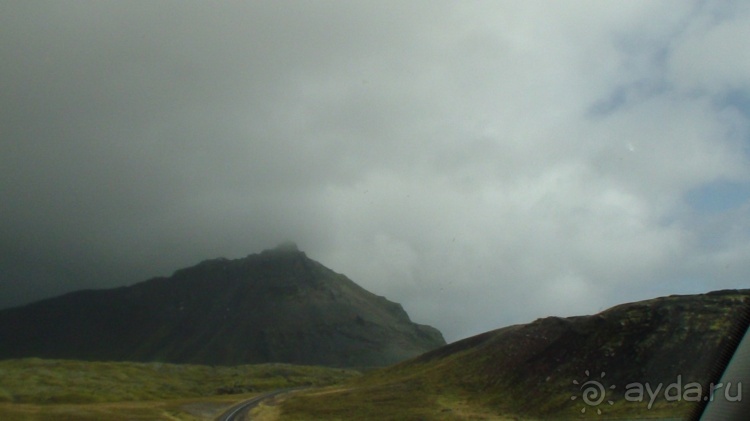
(533, 371)
(37, 389)
(439, 390)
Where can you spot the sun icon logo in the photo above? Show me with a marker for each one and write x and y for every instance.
(593, 393)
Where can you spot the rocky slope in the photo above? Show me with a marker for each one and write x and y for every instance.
(544, 369)
(276, 306)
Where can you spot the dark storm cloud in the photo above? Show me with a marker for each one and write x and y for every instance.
(444, 155)
(143, 135)
(119, 121)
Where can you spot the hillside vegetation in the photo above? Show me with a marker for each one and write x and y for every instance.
(534, 371)
(63, 389)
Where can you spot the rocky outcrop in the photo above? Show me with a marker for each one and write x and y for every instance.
(663, 341)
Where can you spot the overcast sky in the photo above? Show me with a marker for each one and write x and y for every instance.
(482, 163)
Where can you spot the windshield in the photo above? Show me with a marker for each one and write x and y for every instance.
(484, 164)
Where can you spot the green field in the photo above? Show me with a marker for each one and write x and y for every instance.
(36, 389)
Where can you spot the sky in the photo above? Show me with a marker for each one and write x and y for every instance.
(483, 163)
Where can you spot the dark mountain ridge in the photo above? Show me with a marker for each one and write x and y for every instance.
(648, 340)
(275, 306)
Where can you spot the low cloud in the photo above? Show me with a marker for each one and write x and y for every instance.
(483, 164)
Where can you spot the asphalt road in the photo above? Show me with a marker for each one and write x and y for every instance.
(240, 410)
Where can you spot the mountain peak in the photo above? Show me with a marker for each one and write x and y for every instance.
(276, 306)
(287, 247)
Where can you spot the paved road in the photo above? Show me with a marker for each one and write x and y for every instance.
(240, 410)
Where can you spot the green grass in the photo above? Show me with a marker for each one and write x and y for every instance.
(395, 393)
(202, 409)
(36, 389)
(453, 388)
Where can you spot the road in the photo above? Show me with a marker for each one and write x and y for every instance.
(240, 410)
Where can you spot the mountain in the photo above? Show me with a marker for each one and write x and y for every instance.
(275, 306)
(650, 359)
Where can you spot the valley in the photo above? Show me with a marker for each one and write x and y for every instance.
(534, 371)
(37, 389)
